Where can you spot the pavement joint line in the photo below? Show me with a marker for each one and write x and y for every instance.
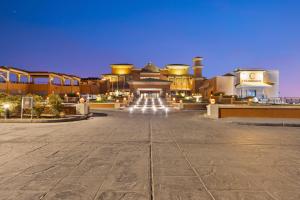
(191, 166)
(271, 195)
(152, 195)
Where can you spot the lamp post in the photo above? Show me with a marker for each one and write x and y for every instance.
(6, 111)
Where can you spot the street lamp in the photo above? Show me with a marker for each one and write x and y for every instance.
(6, 110)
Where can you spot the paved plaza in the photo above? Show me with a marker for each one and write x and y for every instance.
(182, 156)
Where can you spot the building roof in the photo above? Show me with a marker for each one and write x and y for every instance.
(44, 73)
(251, 85)
(178, 65)
(124, 64)
(151, 68)
(228, 74)
(248, 69)
(90, 78)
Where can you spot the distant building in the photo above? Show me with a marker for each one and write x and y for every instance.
(172, 79)
(244, 83)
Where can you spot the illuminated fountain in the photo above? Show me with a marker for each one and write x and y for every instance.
(144, 104)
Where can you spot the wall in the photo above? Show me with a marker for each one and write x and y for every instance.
(260, 112)
(180, 83)
(224, 111)
(104, 105)
(225, 84)
(121, 69)
(273, 77)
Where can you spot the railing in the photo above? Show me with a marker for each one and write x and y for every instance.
(15, 82)
(281, 100)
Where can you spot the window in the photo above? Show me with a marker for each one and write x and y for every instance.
(251, 93)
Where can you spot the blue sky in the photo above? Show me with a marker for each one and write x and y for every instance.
(83, 37)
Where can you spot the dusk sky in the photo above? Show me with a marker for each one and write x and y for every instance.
(84, 37)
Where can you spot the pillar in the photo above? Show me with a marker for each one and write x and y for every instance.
(19, 77)
(50, 80)
(197, 66)
(62, 81)
(7, 76)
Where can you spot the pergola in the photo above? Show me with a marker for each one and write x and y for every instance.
(31, 76)
(6, 71)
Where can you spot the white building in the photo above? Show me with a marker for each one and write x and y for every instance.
(257, 83)
(244, 83)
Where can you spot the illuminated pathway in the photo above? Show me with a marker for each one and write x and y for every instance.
(149, 105)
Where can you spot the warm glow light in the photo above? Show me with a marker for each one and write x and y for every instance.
(6, 106)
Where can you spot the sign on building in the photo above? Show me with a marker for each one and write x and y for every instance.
(252, 77)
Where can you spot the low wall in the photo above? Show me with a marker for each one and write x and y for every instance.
(194, 106)
(104, 105)
(69, 110)
(224, 111)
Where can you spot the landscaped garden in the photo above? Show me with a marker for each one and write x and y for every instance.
(42, 107)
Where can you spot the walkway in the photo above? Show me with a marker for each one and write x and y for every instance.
(139, 156)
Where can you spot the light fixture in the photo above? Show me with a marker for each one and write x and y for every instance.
(6, 106)
(131, 110)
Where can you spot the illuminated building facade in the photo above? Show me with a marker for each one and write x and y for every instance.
(244, 83)
(172, 79)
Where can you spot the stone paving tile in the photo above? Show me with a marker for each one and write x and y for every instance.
(21, 195)
(285, 194)
(36, 178)
(244, 178)
(130, 172)
(92, 167)
(180, 187)
(168, 161)
(9, 151)
(81, 188)
(241, 195)
(128, 195)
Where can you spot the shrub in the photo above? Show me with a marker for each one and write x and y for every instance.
(55, 103)
(72, 95)
(38, 105)
(14, 103)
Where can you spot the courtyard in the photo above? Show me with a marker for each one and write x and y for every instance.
(143, 156)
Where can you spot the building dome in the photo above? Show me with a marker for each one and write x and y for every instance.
(151, 68)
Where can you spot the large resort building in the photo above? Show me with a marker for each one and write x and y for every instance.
(125, 79)
(172, 79)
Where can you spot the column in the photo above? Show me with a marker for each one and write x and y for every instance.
(62, 81)
(19, 78)
(50, 80)
(7, 76)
